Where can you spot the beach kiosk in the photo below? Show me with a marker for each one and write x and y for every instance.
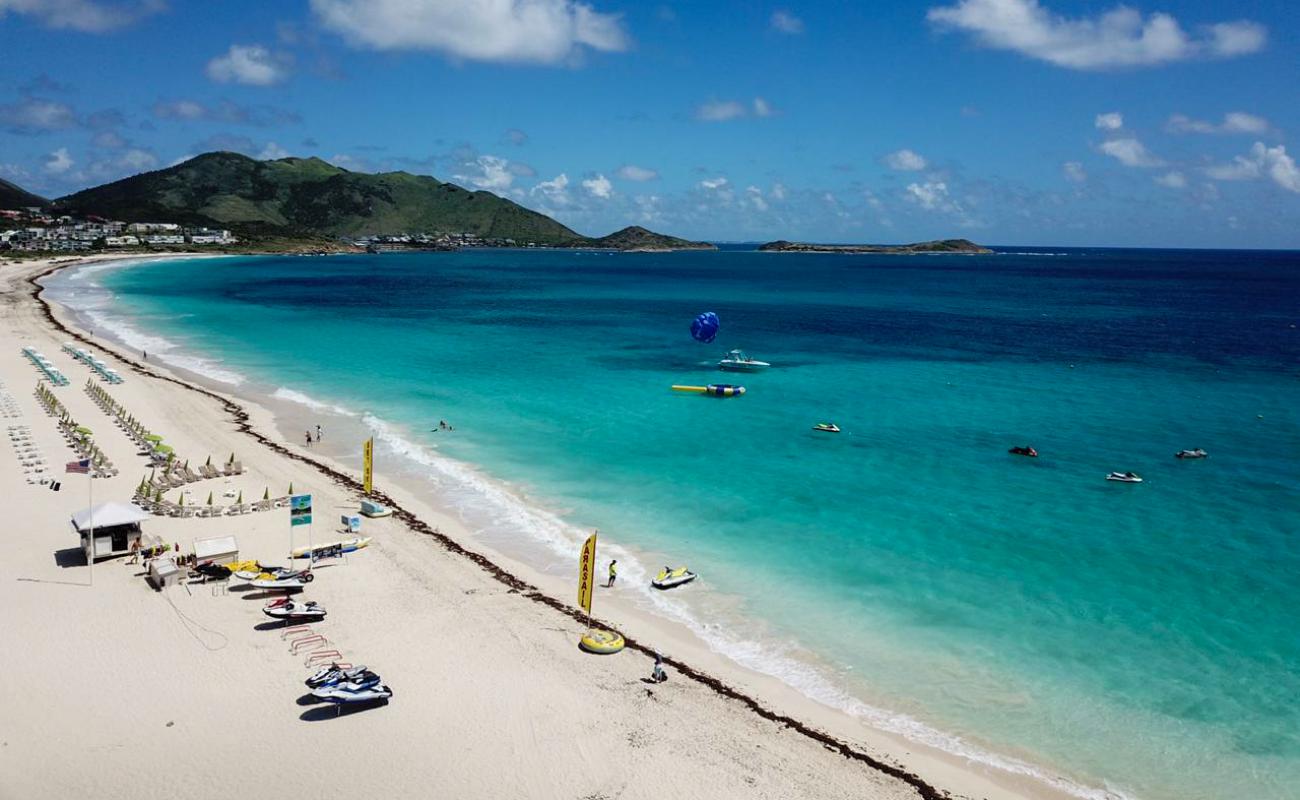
(116, 526)
(218, 550)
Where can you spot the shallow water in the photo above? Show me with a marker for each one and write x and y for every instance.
(1137, 637)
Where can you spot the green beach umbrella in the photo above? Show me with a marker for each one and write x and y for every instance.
(290, 487)
(158, 496)
(208, 463)
(209, 498)
(153, 437)
(266, 493)
(165, 448)
(232, 457)
(182, 502)
(186, 465)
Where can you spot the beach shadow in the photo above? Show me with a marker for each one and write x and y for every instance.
(309, 699)
(271, 625)
(266, 594)
(324, 713)
(70, 557)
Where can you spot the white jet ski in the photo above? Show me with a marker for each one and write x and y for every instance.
(669, 578)
(294, 610)
(327, 676)
(1124, 477)
(353, 693)
(1197, 453)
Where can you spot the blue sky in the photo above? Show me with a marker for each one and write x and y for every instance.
(1005, 121)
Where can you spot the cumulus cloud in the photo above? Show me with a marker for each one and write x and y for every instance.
(724, 110)
(534, 31)
(713, 183)
(1261, 161)
(1110, 121)
(1172, 180)
(86, 16)
(778, 191)
(1121, 37)
(34, 115)
(1130, 152)
(272, 151)
(58, 162)
(487, 172)
(599, 186)
(555, 191)
(1233, 122)
(1074, 172)
(631, 172)
(755, 197)
(930, 195)
(785, 22)
(252, 64)
(905, 161)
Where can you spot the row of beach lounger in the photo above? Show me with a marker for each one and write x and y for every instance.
(83, 355)
(47, 368)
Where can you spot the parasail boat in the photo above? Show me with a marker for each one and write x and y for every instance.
(737, 361)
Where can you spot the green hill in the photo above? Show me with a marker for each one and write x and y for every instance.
(637, 238)
(309, 197)
(14, 197)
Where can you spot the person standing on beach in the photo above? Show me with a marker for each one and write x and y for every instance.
(613, 573)
(318, 433)
(309, 438)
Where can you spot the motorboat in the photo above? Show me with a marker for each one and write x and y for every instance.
(352, 693)
(1024, 451)
(1197, 453)
(827, 427)
(296, 611)
(671, 578)
(1124, 477)
(737, 361)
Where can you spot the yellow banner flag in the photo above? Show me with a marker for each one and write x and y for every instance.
(368, 450)
(587, 573)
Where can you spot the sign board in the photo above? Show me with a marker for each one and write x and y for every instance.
(300, 509)
(368, 457)
(587, 573)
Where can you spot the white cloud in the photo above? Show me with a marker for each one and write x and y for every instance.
(136, 160)
(488, 172)
(58, 162)
(777, 192)
(905, 161)
(1110, 121)
(272, 151)
(1130, 152)
(1074, 172)
(252, 64)
(785, 22)
(599, 186)
(1172, 180)
(516, 137)
(1121, 37)
(929, 195)
(1233, 122)
(83, 15)
(1261, 161)
(719, 111)
(631, 172)
(33, 115)
(535, 31)
(724, 110)
(755, 196)
(180, 109)
(713, 183)
(554, 191)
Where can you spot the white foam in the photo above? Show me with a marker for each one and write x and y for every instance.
(285, 393)
(491, 505)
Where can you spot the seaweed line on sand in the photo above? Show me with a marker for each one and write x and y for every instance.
(240, 417)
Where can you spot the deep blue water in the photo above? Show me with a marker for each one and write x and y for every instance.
(908, 569)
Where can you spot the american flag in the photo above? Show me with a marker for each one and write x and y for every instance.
(82, 466)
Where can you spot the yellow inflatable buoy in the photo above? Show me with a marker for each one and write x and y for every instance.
(601, 642)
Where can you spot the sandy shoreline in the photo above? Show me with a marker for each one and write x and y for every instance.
(489, 683)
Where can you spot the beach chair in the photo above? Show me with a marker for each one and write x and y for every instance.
(193, 476)
(209, 471)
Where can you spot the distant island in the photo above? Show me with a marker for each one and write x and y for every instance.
(229, 200)
(937, 246)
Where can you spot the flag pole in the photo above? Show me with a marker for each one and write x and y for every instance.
(90, 498)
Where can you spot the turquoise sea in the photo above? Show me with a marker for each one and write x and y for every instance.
(1142, 640)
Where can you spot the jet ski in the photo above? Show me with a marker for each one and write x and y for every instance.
(1124, 477)
(1197, 453)
(669, 578)
(827, 427)
(287, 609)
(328, 676)
(210, 570)
(353, 693)
(1024, 451)
(285, 579)
(251, 573)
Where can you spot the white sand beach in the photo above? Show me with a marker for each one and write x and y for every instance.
(113, 689)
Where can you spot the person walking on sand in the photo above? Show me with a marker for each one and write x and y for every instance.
(613, 573)
(657, 674)
(318, 433)
(309, 438)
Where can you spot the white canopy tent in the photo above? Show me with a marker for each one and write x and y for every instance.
(108, 515)
(116, 526)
